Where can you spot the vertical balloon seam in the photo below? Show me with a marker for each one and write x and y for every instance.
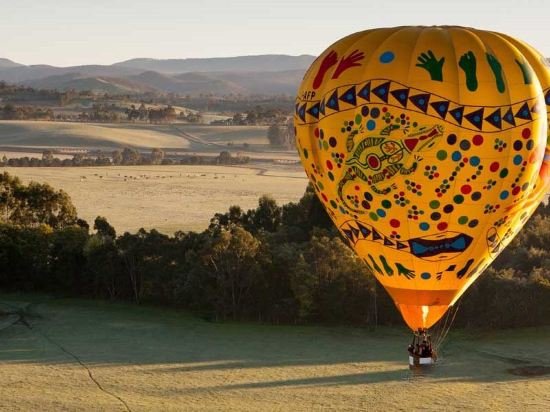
(535, 80)
(458, 97)
(380, 46)
(502, 181)
(481, 36)
(526, 48)
(420, 32)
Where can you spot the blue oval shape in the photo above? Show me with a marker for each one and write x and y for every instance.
(387, 57)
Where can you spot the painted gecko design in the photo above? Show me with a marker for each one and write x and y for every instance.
(377, 160)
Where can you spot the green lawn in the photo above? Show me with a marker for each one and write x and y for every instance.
(157, 359)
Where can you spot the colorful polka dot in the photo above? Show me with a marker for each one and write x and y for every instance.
(441, 155)
(387, 57)
(464, 144)
(477, 140)
(466, 189)
(424, 226)
(425, 275)
(435, 216)
(451, 139)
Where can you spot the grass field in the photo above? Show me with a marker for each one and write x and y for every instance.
(41, 134)
(17, 155)
(83, 355)
(58, 134)
(230, 134)
(167, 198)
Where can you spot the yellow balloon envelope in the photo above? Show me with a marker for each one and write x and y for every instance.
(428, 148)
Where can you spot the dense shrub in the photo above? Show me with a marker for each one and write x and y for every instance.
(276, 264)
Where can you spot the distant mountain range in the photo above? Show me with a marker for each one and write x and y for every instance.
(246, 75)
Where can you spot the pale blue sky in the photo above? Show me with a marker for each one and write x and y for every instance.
(71, 32)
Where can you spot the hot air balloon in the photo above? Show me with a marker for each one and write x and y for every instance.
(428, 147)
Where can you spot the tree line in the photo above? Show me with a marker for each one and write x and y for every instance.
(280, 264)
(23, 104)
(125, 157)
(12, 112)
(282, 136)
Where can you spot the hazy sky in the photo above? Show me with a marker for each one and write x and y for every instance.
(71, 32)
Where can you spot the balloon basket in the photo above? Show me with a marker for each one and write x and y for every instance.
(418, 362)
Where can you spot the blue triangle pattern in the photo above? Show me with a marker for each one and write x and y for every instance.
(476, 118)
(349, 96)
(382, 91)
(332, 102)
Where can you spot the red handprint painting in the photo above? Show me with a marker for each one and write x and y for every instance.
(331, 59)
(348, 62)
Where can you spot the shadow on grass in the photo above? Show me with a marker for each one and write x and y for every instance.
(169, 342)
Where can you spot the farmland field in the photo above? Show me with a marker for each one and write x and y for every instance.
(58, 134)
(44, 134)
(15, 155)
(84, 355)
(229, 134)
(166, 198)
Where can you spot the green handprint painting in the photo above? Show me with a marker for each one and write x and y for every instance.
(525, 71)
(468, 63)
(496, 67)
(429, 62)
(387, 267)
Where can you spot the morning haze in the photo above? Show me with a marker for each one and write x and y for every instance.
(76, 32)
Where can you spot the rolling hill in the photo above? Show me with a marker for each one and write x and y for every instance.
(99, 84)
(246, 75)
(38, 134)
(268, 62)
(8, 64)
